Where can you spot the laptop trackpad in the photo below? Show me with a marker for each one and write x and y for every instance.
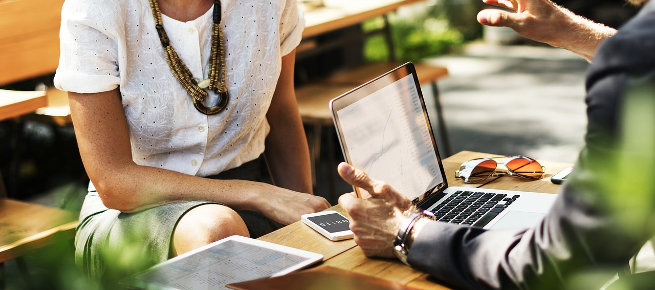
(518, 220)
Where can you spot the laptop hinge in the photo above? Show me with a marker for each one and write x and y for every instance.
(431, 196)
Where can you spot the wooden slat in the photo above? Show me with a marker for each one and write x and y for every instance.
(57, 111)
(16, 103)
(426, 73)
(314, 99)
(29, 38)
(337, 14)
(27, 226)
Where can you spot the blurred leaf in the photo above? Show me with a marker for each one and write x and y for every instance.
(415, 37)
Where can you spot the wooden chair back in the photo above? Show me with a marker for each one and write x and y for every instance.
(29, 38)
(29, 47)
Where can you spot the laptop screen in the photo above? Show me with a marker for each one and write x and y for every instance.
(384, 129)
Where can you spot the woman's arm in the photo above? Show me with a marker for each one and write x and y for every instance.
(103, 139)
(287, 153)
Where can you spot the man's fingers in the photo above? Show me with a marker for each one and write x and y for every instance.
(495, 17)
(359, 178)
(509, 4)
(348, 201)
(356, 177)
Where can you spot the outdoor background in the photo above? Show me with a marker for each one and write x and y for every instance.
(504, 95)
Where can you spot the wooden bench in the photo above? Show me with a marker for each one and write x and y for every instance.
(17, 103)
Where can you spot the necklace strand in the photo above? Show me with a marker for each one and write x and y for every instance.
(216, 81)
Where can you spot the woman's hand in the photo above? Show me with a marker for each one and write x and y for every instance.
(286, 206)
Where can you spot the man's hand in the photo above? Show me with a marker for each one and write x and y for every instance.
(375, 220)
(544, 21)
(534, 19)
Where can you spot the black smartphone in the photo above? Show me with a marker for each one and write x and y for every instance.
(560, 177)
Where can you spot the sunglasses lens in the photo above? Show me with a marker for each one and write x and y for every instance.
(525, 167)
(482, 171)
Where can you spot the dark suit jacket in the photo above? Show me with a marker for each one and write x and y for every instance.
(596, 223)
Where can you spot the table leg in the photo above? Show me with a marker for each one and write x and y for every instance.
(25, 273)
(315, 154)
(3, 189)
(2, 276)
(389, 38)
(443, 132)
(332, 166)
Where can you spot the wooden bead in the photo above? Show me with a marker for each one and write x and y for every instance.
(216, 80)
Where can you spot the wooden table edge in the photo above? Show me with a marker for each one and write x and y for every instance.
(353, 19)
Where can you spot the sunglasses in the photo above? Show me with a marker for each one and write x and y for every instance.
(480, 169)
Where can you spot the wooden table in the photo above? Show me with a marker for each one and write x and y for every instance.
(28, 226)
(346, 255)
(336, 14)
(16, 103)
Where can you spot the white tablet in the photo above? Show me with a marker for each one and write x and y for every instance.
(230, 260)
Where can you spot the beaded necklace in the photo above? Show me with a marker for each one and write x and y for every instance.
(195, 87)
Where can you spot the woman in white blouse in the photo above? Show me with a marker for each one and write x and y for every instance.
(148, 146)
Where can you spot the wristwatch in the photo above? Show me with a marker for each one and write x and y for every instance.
(400, 248)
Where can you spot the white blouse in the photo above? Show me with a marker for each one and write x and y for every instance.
(110, 44)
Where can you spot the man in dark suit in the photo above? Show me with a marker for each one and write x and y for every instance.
(602, 216)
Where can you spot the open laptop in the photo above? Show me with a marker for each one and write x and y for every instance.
(383, 128)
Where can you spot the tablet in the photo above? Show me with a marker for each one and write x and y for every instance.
(230, 260)
(384, 129)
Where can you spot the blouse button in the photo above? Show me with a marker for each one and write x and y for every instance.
(194, 162)
(201, 128)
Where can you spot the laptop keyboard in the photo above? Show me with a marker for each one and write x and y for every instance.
(472, 208)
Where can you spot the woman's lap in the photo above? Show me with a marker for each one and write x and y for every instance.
(107, 232)
(103, 233)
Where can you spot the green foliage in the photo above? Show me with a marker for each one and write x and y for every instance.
(437, 29)
(461, 15)
(413, 40)
(54, 267)
(634, 163)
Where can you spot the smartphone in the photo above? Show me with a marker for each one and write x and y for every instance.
(560, 177)
(330, 224)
